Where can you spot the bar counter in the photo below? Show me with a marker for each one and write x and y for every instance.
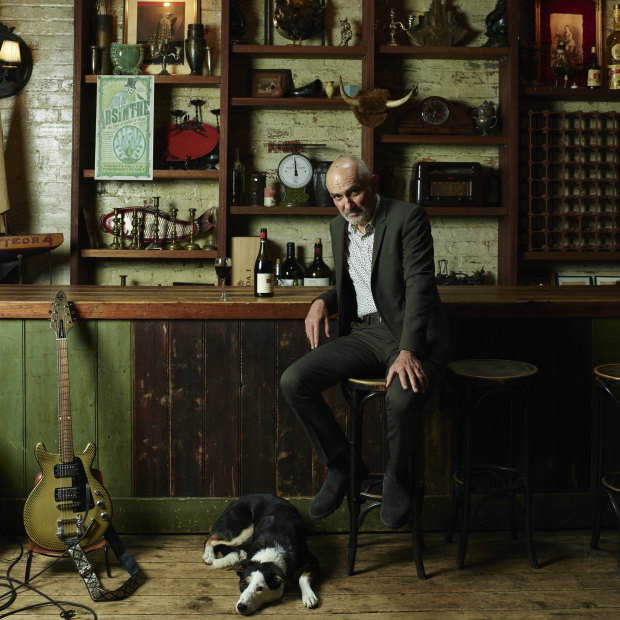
(200, 302)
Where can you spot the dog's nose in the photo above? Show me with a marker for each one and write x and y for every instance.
(241, 608)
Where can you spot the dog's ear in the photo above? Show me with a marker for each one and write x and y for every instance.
(239, 567)
(276, 577)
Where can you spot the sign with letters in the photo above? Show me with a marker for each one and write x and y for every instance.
(125, 116)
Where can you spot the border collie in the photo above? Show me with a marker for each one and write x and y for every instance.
(263, 538)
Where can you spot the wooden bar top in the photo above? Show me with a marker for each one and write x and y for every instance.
(200, 302)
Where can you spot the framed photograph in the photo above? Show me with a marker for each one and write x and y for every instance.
(152, 22)
(576, 23)
(572, 280)
(606, 280)
(264, 81)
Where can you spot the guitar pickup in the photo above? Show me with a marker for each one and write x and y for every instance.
(64, 494)
(65, 470)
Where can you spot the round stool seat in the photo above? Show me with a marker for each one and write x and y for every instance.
(610, 372)
(370, 385)
(492, 369)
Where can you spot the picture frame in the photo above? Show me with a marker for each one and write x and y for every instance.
(148, 21)
(264, 81)
(607, 280)
(572, 280)
(580, 24)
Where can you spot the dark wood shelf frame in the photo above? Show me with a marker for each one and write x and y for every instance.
(149, 254)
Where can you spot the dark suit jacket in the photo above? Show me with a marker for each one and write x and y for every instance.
(402, 280)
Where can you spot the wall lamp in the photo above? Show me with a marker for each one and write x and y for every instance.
(15, 62)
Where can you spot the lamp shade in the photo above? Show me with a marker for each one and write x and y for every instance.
(10, 51)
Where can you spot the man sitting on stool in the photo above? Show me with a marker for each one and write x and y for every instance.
(390, 322)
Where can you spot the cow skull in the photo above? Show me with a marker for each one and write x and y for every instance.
(370, 107)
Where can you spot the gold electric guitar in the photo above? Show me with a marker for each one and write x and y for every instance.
(68, 502)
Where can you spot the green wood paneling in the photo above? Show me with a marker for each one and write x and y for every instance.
(114, 414)
(12, 408)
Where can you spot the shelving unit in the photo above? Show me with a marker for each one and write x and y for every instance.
(236, 59)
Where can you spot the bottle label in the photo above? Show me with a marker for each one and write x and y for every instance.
(316, 281)
(269, 196)
(594, 77)
(615, 51)
(614, 76)
(291, 282)
(264, 282)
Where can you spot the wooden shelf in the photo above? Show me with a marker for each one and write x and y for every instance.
(299, 51)
(149, 254)
(174, 80)
(571, 255)
(409, 138)
(170, 174)
(570, 94)
(466, 211)
(453, 52)
(259, 210)
(289, 102)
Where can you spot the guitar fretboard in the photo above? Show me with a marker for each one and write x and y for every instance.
(65, 432)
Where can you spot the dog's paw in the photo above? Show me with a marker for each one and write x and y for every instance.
(228, 560)
(208, 556)
(242, 554)
(310, 599)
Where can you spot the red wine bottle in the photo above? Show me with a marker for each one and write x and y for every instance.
(263, 269)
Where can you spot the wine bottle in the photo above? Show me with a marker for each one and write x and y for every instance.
(277, 274)
(612, 52)
(291, 273)
(594, 71)
(238, 180)
(263, 269)
(318, 273)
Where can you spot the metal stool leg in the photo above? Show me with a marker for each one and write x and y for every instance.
(418, 500)
(467, 488)
(355, 406)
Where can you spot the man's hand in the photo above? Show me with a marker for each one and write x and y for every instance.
(410, 372)
(316, 315)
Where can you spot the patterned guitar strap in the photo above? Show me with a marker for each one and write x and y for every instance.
(88, 574)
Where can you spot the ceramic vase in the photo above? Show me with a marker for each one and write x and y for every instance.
(329, 88)
(127, 58)
(103, 38)
(195, 47)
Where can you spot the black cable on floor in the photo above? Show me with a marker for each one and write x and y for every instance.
(12, 586)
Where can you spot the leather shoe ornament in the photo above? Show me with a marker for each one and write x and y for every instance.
(395, 501)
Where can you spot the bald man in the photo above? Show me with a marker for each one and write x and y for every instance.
(390, 323)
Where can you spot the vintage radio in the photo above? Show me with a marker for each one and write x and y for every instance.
(442, 183)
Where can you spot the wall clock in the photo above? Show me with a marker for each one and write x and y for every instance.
(295, 172)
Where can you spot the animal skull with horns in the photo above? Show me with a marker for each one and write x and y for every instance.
(370, 107)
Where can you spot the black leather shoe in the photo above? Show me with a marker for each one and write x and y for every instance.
(395, 501)
(331, 494)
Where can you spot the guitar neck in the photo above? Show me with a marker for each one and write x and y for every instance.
(65, 431)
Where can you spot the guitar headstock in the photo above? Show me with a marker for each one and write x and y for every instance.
(62, 317)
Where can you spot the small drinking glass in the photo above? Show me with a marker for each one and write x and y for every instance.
(223, 267)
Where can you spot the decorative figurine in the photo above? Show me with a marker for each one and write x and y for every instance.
(497, 26)
(345, 31)
(485, 117)
(299, 20)
(438, 26)
(561, 65)
(192, 245)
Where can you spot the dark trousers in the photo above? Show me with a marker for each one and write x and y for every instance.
(368, 351)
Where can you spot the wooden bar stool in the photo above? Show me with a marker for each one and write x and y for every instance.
(34, 548)
(357, 393)
(477, 383)
(607, 380)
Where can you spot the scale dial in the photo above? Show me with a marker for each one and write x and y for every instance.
(435, 111)
(295, 171)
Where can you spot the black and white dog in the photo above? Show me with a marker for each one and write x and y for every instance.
(263, 537)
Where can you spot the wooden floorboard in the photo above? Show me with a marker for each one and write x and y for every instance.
(497, 582)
